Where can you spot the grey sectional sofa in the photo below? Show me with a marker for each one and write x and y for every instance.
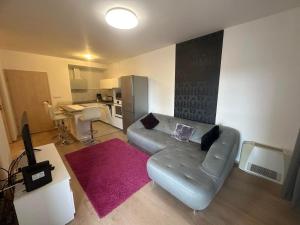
(191, 175)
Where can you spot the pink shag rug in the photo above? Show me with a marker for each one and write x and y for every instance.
(109, 173)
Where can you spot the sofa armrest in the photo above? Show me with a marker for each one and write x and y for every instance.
(221, 156)
(137, 124)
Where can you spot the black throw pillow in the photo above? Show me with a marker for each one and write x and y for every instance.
(149, 121)
(209, 138)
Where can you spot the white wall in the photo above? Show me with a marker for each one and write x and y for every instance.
(259, 81)
(159, 67)
(56, 68)
(7, 107)
(260, 76)
(5, 156)
(92, 76)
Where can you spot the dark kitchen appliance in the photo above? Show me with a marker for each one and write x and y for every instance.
(103, 98)
(117, 95)
(99, 97)
(118, 111)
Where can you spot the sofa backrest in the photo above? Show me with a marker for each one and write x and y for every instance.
(167, 124)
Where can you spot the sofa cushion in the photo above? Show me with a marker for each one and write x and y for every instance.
(150, 121)
(167, 124)
(209, 138)
(199, 130)
(151, 141)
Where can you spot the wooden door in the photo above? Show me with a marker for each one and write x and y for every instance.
(3, 114)
(28, 90)
(5, 156)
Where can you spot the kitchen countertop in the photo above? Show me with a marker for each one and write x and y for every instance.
(79, 107)
(87, 102)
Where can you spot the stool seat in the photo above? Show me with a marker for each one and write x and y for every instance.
(90, 114)
(89, 119)
(58, 111)
(59, 118)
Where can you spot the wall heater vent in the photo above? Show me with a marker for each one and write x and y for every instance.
(263, 161)
(264, 172)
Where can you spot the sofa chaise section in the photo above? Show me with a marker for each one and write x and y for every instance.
(191, 175)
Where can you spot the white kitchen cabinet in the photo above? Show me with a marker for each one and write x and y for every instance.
(117, 122)
(109, 83)
(79, 84)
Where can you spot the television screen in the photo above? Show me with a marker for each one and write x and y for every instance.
(27, 140)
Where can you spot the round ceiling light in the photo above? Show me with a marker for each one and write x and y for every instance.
(88, 56)
(121, 18)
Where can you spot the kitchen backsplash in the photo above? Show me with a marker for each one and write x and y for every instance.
(88, 95)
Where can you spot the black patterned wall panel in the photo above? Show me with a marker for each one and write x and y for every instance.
(198, 63)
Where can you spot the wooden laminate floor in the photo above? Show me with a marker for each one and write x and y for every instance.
(243, 199)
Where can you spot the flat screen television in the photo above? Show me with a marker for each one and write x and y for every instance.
(25, 132)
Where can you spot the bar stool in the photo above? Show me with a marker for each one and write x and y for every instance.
(90, 114)
(55, 111)
(59, 119)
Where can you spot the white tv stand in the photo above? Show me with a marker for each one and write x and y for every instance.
(51, 204)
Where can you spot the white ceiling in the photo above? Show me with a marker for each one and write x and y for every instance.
(68, 28)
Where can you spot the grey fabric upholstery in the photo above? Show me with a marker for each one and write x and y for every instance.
(191, 175)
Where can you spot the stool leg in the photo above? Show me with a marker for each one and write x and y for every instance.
(59, 129)
(90, 140)
(91, 128)
(63, 135)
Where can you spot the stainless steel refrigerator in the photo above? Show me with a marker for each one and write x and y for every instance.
(134, 90)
